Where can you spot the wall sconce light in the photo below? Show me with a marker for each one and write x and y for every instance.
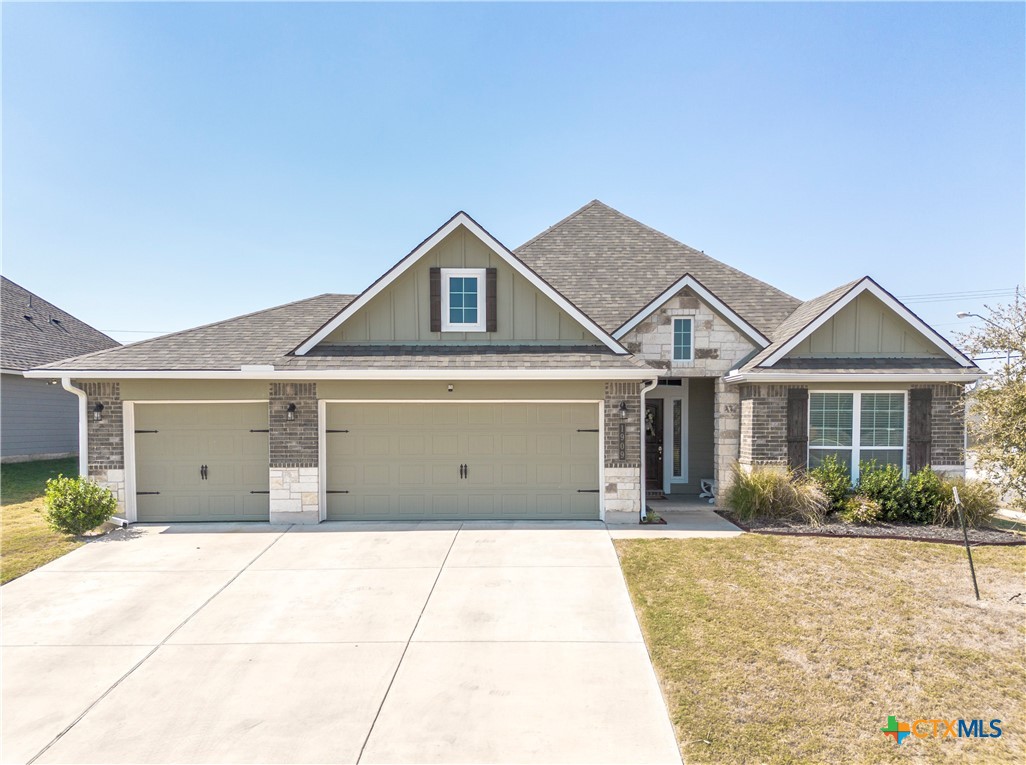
(450, 389)
(290, 412)
(623, 410)
(98, 412)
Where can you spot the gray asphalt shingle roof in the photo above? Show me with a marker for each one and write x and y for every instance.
(465, 357)
(611, 266)
(35, 332)
(264, 337)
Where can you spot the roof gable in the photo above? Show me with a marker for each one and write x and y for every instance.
(810, 317)
(613, 266)
(461, 219)
(36, 332)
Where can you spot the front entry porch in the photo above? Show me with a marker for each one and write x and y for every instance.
(679, 444)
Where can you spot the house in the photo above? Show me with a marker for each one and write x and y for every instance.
(38, 420)
(597, 364)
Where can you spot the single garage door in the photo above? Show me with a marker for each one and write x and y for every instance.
(438, 461)
(201, 462)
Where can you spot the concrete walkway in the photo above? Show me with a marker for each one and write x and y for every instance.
(341, 643)
(683, 521)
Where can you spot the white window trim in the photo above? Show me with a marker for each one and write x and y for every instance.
(673, 345)
(856, 431)
(482, 304)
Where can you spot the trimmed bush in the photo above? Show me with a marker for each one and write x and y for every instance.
(833, 478)
(979, 503)
(77, 505)
(910, 501)
(860, 510)
(768, 493)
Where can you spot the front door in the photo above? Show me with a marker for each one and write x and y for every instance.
(654, 446)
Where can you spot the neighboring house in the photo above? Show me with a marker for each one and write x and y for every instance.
(565, 379)
(38, 419)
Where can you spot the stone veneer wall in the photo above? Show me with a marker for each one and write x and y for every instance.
(763, 425)
(726, 434)
(622, 490)
(106, 458)
(947, 427)
(294, 476)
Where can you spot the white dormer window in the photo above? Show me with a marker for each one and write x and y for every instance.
(463, 300)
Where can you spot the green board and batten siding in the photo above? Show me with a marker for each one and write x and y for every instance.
(401, 312)
(173, 441)
(404, 461)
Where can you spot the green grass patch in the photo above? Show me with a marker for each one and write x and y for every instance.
(795, 650)
(26, 542)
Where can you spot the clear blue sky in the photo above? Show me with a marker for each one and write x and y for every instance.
(170, 165)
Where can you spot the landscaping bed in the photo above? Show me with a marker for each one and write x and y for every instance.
(913, 531)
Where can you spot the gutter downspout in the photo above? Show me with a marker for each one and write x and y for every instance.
(645, 388)
(83, 437)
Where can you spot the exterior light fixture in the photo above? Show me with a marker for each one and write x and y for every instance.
(98, 412)
(450, 389)
(623, 410)
(290, 412)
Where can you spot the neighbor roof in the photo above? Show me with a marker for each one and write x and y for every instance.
(612, 266)
(36, 332)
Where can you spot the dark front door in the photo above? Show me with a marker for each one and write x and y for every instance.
(654, 445)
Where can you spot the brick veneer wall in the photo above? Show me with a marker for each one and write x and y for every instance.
(947, 434)
(615, 393)
(106, 437)
(293, 443)
(763, 425)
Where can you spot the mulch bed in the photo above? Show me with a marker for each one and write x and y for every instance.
(910, 531)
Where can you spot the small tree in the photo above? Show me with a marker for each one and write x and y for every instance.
(997, 406)
(77, 505)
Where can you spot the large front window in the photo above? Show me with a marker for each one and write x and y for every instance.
(463, 300)
(857, 427)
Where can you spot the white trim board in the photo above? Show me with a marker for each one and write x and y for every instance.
(707, 297)
(583, 373)
(868, 285)
(460, 219)
(868, 377)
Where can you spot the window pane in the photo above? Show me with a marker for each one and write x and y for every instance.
(470, 316)
(456, 284)
(682, 339)
(455, 315)
(455, 299)
(816, 457)
(677, 438)
(470, 300)
(830, 419)
(883, 456)
(463, 299)
(883, 419)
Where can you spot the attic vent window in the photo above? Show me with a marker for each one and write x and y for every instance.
(464, 300)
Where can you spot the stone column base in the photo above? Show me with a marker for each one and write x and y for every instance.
(114, 480)
(295, 495)
(622, 494)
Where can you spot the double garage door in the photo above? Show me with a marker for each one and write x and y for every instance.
(489, 460)
(389, 461)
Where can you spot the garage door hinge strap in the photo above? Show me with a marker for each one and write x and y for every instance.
(252, 430)
(147, 492)
(147, 431)
(336, 431)
(260, 492)
(337, 491)
(587, 491)
(587, 430)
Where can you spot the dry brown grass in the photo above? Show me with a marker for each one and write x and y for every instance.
(795, 650)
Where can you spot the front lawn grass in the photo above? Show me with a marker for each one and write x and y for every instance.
(26, 542)
(777, 649)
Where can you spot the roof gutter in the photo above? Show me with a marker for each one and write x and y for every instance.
(736, 376)
(269, 373)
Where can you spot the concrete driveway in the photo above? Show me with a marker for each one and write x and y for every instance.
(339, 643)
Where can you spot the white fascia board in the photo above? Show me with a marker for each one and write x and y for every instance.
(18, 372)
(587, 373)
(867, 377)
(460, 219)
(708, 297)
(868, 285)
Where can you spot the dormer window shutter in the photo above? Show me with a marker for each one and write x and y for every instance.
(435, 282)
(491, 314)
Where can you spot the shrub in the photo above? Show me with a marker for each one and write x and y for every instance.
(859, 509)
(979, 503)
(769, 493)
(914, 500)
(77, 505)
(833, 478)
